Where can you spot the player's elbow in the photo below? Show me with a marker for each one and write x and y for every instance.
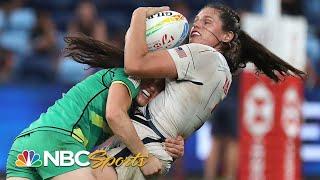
(132, 69)
(115, 121)
(133, 65)
(112, 115)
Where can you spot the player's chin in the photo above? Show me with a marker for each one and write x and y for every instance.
(195, 39)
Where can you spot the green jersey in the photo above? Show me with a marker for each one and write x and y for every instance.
(80, 113)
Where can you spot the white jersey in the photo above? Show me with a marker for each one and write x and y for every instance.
(187, 102)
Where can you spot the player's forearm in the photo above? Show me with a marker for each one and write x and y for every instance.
(135, 46)
(122, 126)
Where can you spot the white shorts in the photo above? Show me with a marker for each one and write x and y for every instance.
(116, 148)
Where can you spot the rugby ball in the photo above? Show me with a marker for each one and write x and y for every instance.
(165, 30)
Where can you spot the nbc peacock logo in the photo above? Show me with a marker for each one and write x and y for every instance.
(28, 159)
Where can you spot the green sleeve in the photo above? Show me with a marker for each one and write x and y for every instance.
(132, 84)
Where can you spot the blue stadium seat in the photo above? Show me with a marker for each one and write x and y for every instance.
(15, 40)
(22, 19)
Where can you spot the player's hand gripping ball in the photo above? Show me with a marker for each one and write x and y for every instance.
(165, 30)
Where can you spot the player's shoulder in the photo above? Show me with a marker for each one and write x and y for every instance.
(201, 47)
(207, 52)
(197, 48)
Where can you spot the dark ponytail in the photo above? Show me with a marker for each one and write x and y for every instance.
(86, 50)
(243, 49)
(263, 59)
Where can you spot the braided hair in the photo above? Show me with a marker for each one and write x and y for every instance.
(243, 48)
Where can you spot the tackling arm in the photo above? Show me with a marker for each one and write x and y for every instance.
(137, 60)
(118, 103)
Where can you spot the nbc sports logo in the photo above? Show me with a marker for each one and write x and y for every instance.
(28, 159)
(68, 158)
(60, 158)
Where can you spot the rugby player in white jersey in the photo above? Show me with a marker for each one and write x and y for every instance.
(197, 76)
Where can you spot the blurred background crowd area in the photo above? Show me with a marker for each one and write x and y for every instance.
(32, 31)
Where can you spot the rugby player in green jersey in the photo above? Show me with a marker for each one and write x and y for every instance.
(83, 118)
